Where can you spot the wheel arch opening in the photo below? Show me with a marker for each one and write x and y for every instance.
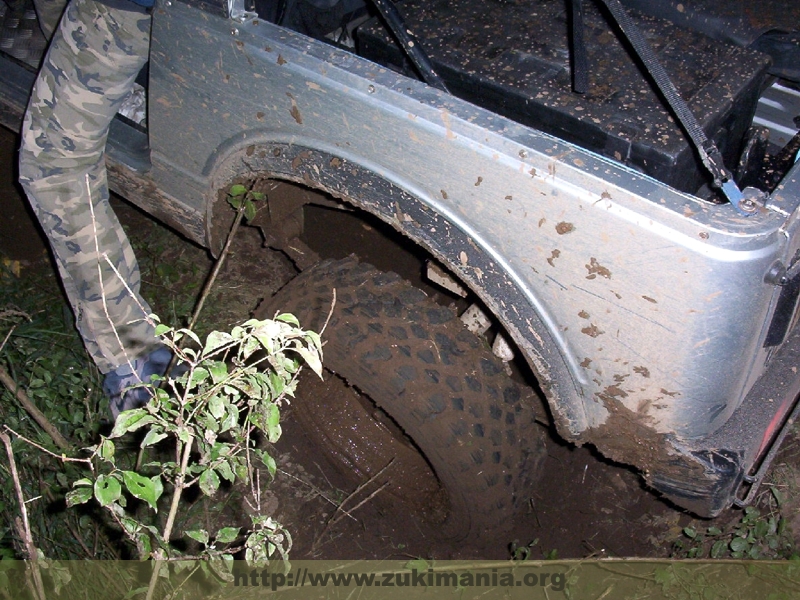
(308, 173)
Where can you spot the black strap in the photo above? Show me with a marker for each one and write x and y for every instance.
(708, 151)
(580, 63)
(394, 20)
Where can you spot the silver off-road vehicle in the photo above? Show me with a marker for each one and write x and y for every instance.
(611, 185)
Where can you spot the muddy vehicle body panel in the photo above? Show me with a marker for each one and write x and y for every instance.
(656, 322)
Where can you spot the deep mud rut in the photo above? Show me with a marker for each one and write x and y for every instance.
(583, 505)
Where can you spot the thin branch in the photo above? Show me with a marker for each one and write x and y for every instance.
(8, 335)
(336, 517)
(212, 278)
(330, 314)
(27, 536)
(60, 457)
(314, 488)
(100, 274)
(176, 495)
(34, 412)
(10, 312)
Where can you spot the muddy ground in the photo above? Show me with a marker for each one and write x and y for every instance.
(583, 506)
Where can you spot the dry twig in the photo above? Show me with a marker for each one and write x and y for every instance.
(34, 412)
(24, 527)
(340, 513)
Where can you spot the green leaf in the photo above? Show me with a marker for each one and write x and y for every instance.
(144, 488)
(144, 545)
(231, 419)
(311, 358)
(107, 489)
(777, 495)
(131, 420)
(719, 548)
(312, 337)
(209, 482)
(225, 470)
(216, 407)
(192, 336)
(288, 318)
(199, 375)
(217, 340)
(199, 535)
(131, 526)
(227, 534)
(184, 435)
(268, 461)
(161, 329)
(249, 210)
(237, 190)
(420, 564)
(84, 481)
(153, 436)
(739, 544)
(218, 371)
(79, 496)
(251, 345)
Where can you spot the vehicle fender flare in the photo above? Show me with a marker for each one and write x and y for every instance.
(385, 196)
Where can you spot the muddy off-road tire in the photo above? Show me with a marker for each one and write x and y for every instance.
(438, 382)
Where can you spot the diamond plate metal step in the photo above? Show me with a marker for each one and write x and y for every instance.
(20, 35)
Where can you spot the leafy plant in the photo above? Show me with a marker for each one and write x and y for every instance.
(232, 390)
(240, 195)
(754, 536)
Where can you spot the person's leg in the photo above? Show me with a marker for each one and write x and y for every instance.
(89, 70)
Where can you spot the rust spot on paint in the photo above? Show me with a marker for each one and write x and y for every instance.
(250, 150)
(649, 299)
(605, 196)
(595, 269)
(298, 160)
(670, 394)
(336, 162)
(281, 61)
(509, 197)
(295, 111)
(612, 392)
(260, 116)
(532, 172)
(542, 221)
(444, 194)
(563, 228)
(586, 362)
(553, 255)
(583, 314)
(592, 331)
(643, 371)
(479, 181)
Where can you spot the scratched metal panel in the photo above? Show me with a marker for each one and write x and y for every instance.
(655, 301)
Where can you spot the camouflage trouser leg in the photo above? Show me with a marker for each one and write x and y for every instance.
(49, 13)
(89, 70)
